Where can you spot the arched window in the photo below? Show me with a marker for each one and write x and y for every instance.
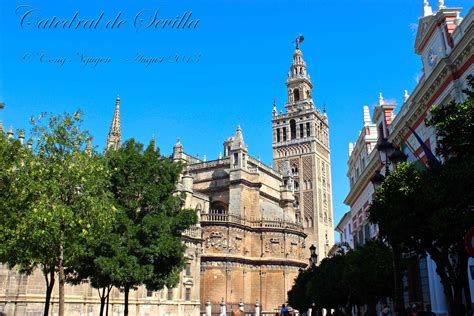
(218, 208)
(293, 129)
(296, 186)
(278, 135)
(296, 95)
(294, 170)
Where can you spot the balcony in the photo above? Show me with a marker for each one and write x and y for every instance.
(253, 223)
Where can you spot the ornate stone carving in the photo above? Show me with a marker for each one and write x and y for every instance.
(235, 244)
(216, 240)
(274, 246)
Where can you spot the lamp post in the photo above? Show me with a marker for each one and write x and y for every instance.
(388, 155)
(313, 259)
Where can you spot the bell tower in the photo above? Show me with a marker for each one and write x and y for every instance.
(301, 139)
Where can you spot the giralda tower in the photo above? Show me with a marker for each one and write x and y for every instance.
(301, 136)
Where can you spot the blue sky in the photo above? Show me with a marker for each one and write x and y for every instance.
(353, 49)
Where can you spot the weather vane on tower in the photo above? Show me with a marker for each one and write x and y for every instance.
(299, 40)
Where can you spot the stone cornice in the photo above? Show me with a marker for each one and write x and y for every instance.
(255, 261)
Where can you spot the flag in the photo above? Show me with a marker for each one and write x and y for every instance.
(432, 160)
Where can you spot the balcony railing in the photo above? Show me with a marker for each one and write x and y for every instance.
(254, 223)
(193, 232)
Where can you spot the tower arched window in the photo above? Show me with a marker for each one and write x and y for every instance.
(278, 135)
(293, 129)
(294, 170)
(296, 186)
(296, 95)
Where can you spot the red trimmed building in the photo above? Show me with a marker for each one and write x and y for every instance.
(444, 41)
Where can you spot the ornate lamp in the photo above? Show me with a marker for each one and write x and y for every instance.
(385, 149)
(397, 156)
(377, 179)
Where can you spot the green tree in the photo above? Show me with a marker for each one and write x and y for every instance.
(429, 211)
(298, 296)
(150, 250)
(366, 271)
(56, 197)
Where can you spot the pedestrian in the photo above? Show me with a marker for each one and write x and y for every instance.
(413, 311)
(429, 312)
(386, 311)
(284, 310)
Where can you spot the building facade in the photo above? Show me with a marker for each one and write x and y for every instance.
(254, 221)
(344, 228)
(444, 42)
(252, 244)
(301, 135)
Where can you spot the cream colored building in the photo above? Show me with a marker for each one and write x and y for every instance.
(301, 135)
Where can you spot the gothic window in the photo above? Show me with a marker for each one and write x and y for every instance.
(294, 170)
(149, 293)
(236, 159)
(296, 186)
(188, 269)
(278, 135)
(284, 134)
(293, 129)
(296, 95)
(170, 295)
(308, 130)
(188, 294)
(301, 131)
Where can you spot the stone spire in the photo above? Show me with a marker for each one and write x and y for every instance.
(238, 142)
(10, 133)
(367, 119)
(114, 140)
(441, 4)
(426, 9)
(21, 137)
(274, 111)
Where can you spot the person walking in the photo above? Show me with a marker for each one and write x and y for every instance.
(284, 310)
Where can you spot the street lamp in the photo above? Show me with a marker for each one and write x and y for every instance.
(389, 154)
(313, 259)
(377, 179)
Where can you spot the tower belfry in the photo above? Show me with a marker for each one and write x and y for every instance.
(114, 139)
(301, 137)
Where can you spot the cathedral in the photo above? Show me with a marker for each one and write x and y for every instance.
(255, 226)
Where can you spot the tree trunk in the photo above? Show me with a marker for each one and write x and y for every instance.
(107, 304)
(397, 278)
(372, 309)
(49, 290)
(126, 290)
(102, 301)
(61, 272)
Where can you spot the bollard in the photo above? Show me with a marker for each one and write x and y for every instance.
(223, 308)
(257, 308)
(208, 308)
